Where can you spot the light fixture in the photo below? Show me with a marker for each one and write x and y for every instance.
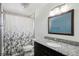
(54, 12)
(64, 8)
(25, 5)
(59, 9)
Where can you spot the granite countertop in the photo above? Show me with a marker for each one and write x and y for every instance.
(67, 49)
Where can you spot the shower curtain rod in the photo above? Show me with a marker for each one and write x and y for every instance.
(13, 13)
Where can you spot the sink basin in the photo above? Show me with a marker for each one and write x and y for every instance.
(53, 44)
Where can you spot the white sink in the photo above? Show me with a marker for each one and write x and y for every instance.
(53, 44)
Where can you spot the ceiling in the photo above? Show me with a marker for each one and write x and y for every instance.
(20, 8)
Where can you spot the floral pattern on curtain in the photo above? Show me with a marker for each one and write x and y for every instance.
(14, 43)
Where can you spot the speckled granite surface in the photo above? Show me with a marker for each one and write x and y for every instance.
(67, 49)
(63, 40)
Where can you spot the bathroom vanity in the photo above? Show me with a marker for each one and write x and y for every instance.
(41, 50)
(55, 47)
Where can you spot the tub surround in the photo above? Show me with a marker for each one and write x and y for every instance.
(70, 49)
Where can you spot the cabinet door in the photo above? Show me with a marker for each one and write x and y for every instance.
(40, 50)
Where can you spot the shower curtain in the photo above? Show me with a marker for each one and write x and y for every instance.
(17, 35)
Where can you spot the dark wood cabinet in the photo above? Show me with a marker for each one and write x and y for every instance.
(41, 50)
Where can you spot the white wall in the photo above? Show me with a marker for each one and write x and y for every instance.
(0, 32)
(41, 23)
